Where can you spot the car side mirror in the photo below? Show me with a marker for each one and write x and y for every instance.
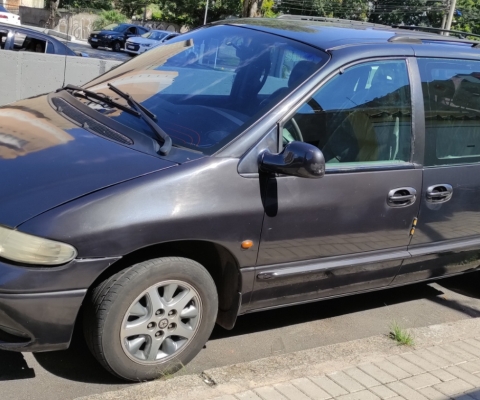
(297, 159)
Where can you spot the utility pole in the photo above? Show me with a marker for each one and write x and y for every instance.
(206, 12)
(448, 26)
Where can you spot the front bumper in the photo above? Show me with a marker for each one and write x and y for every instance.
(100, 42)
(39, 306)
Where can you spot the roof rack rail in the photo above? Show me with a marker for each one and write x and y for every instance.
(418, 39)
(326, 19)
(462, 34)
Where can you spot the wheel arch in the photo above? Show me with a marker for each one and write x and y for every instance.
(217, 260)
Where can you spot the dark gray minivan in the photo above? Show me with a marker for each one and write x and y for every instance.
(246, 165)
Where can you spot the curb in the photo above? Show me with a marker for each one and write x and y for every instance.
(267, 371)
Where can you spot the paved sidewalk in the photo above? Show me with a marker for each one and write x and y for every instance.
(438, 372)
(444, 364)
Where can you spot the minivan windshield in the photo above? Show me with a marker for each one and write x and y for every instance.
(207, 86)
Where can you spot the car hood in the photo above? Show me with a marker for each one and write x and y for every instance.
(142, 40)
(45, 161)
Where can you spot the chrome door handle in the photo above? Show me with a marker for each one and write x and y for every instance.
(401, 197)
(439, 193)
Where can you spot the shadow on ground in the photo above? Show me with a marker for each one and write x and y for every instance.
(13, 367)
(77, 363)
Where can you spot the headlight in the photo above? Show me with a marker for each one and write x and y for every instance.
(29, 249)
(109, 37)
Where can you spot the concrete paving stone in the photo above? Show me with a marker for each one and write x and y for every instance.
(473, 342)
(465, 356)
(392, 370)
(452, 388)
(226, 397)
(453, 358)
(475, 351)
(362, 377)
(310, 389)
(419, 361)
(362, 395)
(269, 393)
(397, 398)
(328, 385)
(406, 391)
(421, 381)
(433, 358)
(471, 366)
(345, 381)
(290, 391)
(406, 365)
(466, 376)
(248, 395)
(443, 375)
(432, 394)
(383, 392)
(380, 374)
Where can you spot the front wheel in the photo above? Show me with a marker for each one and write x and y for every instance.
(94, 46)
(116, 46)
(152, 318)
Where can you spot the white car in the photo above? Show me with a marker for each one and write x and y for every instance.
(141, 44)
(7, 17)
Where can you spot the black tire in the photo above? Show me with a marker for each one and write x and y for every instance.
(116, 46)
(94, 46)
(107, 304)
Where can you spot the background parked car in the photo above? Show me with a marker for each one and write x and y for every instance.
(8, 17)
(141, 44)
(24, 39)
(114, 36)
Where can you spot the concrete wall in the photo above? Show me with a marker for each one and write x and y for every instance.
(30, 74)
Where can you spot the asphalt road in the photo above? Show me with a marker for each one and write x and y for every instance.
(73, 373)
(103, 53)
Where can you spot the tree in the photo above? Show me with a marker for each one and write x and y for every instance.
(54, 15)
(94, 4)
(129, 7)
(192, 12)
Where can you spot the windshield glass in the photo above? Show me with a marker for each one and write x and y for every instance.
(3, 9)
(114, 27)
(154, 35)
(207, 86)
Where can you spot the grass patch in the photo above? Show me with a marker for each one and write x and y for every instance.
(400, 335)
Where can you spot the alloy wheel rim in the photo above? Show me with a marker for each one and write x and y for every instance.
(161, 322)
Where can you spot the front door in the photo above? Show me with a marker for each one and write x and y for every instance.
(447, 237)
(349, 230)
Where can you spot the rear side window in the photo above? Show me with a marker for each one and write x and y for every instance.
(451, 93)
(24, 42)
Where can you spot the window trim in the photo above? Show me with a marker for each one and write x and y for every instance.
(469, 161)
(339, 71)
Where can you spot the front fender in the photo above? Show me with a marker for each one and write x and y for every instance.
(202, 200)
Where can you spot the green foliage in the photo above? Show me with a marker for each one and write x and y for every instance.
(129, 7)
(91, 4)
(400, 335)
(268, 9)
(191, 12)
(468, 18)
(108, 17)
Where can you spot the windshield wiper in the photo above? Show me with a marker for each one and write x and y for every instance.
(102, 97)
(148, 117)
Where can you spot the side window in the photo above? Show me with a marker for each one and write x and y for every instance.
(451, 93)
(132, 31)
(362, 115)
(23, 42)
